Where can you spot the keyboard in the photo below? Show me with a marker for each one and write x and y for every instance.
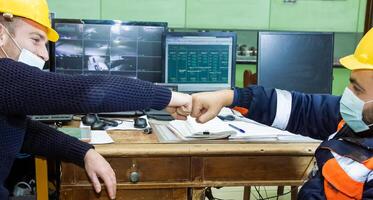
(52, 118)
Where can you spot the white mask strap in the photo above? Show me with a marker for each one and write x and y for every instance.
(6, 55)
(10, 36)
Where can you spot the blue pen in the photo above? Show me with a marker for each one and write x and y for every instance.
(235, 127)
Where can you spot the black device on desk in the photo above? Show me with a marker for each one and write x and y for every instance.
(52, 118)
(296, 61)
(200, 61)
(97, 123)
(140, 122)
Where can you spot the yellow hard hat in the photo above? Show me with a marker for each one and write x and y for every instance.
(363, 56)
(35, 10)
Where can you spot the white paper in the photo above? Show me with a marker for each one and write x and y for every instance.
(100, 137)
(252, 130)
(191, 128)
(255, 130)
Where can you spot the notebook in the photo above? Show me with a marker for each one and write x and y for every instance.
(80, 133)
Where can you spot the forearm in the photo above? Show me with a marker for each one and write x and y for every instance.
(36, 92)
(316, 116)
(43, 140)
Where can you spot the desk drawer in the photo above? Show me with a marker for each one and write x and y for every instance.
(254, 168)
(75, 193)
(160, 169)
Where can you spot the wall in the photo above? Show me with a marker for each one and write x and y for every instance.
(246, 17)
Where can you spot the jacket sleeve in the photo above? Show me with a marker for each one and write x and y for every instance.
(368, 188)
(26, 90)
(313, 115)
(40, 139)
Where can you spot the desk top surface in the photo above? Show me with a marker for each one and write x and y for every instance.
(131, 143)
(136, 143)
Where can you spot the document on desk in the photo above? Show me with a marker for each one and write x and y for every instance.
(256, 130)
(100, 137)
(241, 128)
(190, 129)
(262, 132)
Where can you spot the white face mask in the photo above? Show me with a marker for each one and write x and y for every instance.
(26, 56)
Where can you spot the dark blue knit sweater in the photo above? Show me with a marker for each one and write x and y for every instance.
(26, 90)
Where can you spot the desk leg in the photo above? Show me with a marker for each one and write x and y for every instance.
(294, 192)
(246, 193)
(198, 193)
(41, 169)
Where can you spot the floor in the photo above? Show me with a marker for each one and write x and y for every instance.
(236, 193)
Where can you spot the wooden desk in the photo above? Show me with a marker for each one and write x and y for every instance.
(181, 171)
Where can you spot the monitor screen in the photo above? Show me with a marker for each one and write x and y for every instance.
(296, 61)
(131, 49)
(200, 61)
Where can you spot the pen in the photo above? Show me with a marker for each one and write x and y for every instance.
(235, 127)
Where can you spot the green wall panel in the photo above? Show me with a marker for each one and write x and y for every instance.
(240, 68)
(227, 14)
(361, 15)
(171, 11)
(341, 77)
(315, 15)
(72, 9)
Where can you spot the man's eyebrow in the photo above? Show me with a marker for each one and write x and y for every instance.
(40, 35)
(354, 82)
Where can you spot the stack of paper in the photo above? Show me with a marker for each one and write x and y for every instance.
(190, 129)
(240, 128)
(256, 130)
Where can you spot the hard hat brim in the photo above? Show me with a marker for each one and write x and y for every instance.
(351, 63)
(52, 35)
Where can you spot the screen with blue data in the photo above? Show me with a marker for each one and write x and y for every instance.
(199, 62)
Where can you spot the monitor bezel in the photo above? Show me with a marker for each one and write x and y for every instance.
(262, 33)
(217, 34)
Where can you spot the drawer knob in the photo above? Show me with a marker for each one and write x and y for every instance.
(134, 177)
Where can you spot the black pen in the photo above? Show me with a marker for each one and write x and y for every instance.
(235, 127)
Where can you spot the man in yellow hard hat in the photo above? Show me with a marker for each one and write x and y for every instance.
(345, 124)
(26, 90)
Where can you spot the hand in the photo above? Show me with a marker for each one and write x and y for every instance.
(180, 105)
(97, 167)
(207, 105)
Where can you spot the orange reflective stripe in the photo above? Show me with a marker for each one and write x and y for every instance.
(243, 111)
(368, 163)
(341, 124)
(339, 185)
(332, 193)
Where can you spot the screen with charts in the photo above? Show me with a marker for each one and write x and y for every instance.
(296, 61)
(131, 49)
(200, 61)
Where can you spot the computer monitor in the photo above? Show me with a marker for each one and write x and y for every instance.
(200, 61)
(131, 49)
(296, 61)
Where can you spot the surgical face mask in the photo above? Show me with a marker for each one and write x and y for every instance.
(351, 108)
(26, 56)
